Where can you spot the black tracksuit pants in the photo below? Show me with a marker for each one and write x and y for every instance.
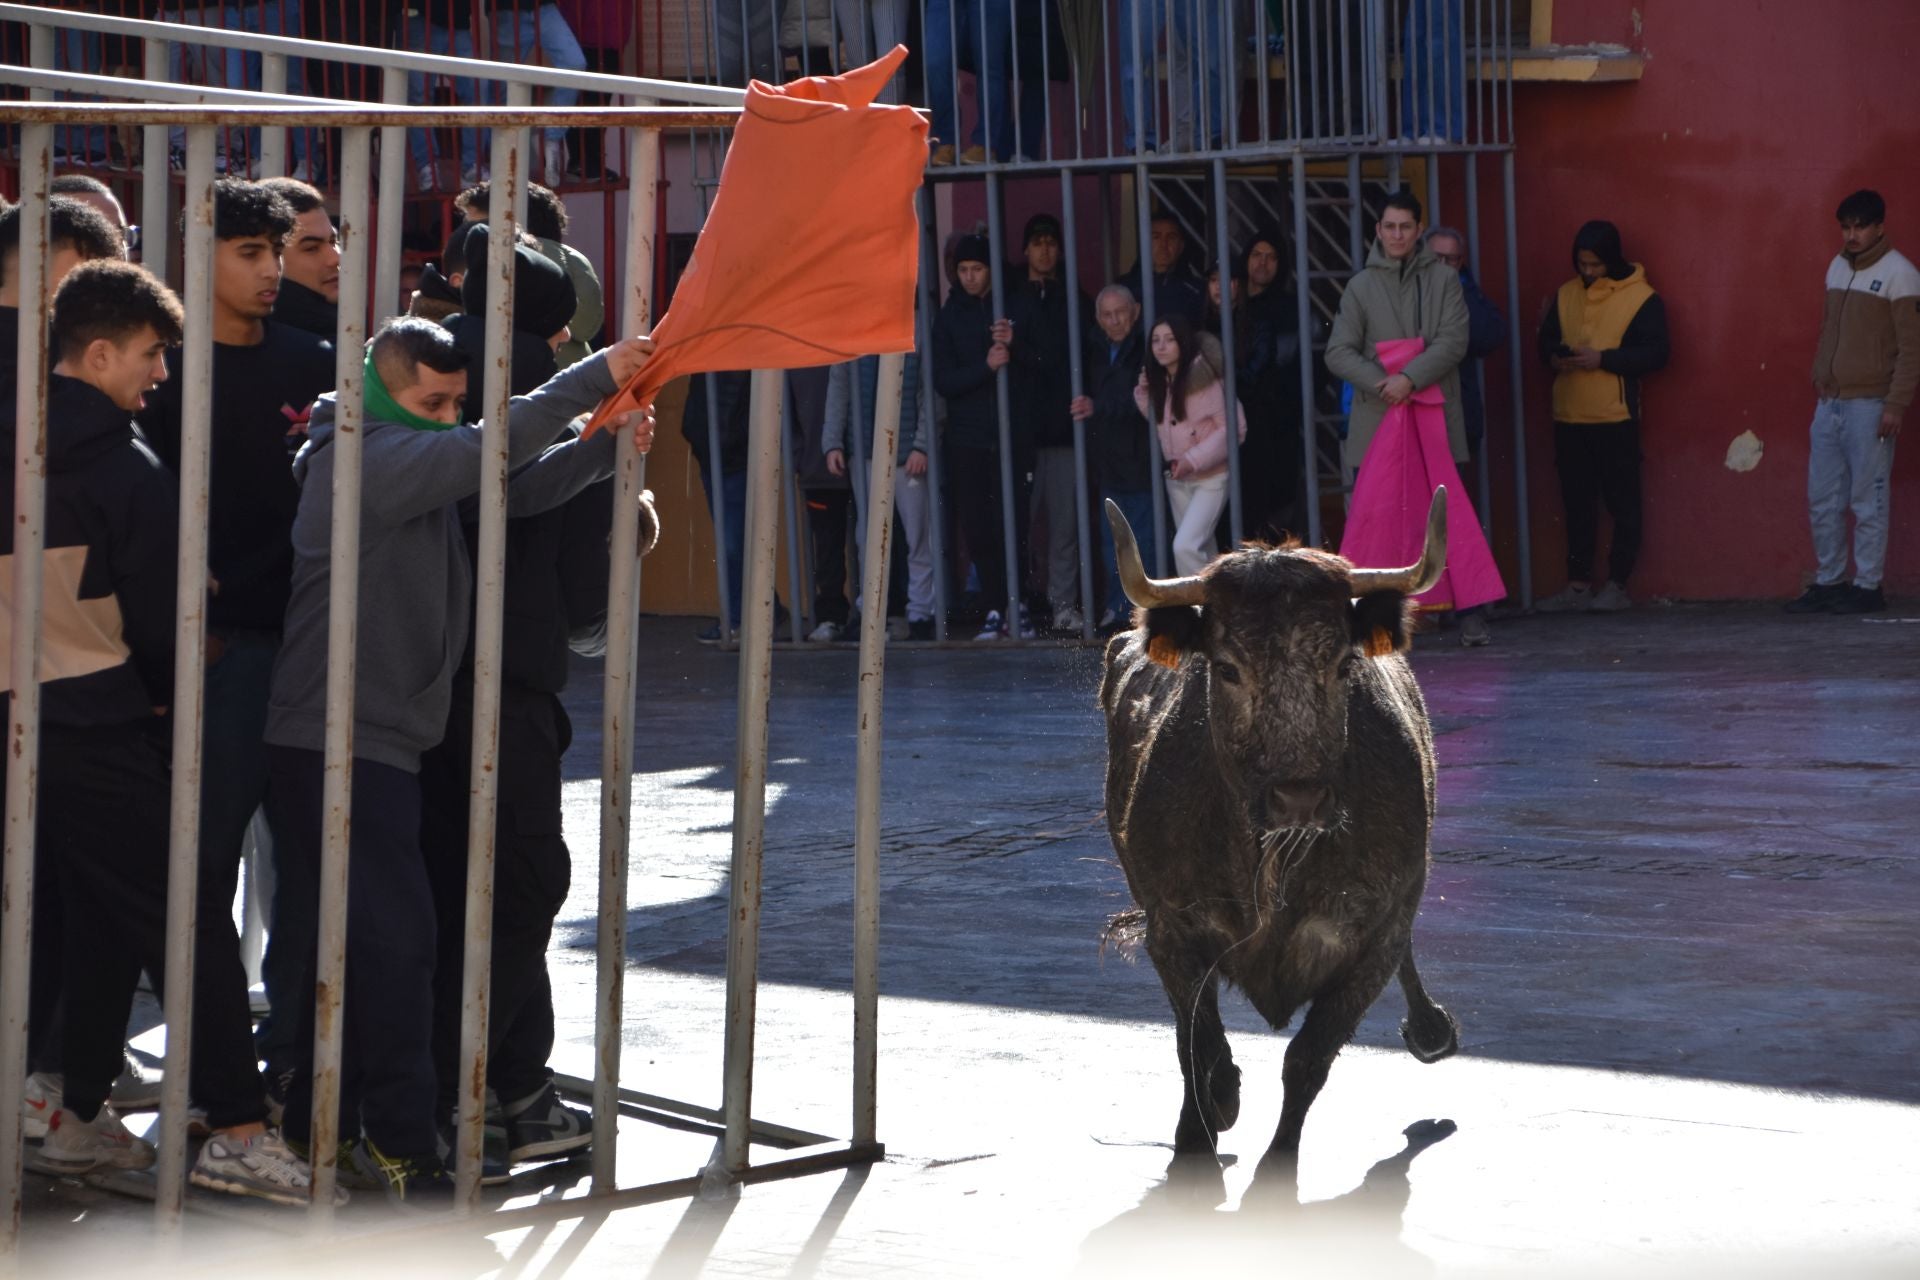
(1599, 462)
(387, 1078)
(531, 872)
(102, 852)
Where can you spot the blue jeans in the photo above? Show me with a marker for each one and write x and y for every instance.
(1138, 509)
(1433, 91)
(1848, 465)
(992, 73)
(235, 69)
(1184, 97)
(538, 36)
(422, 37)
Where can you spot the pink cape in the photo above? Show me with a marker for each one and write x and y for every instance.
(1408, 459)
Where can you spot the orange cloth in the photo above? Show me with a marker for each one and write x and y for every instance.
(811, 250)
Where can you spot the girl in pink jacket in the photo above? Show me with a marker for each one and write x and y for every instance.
(1181, 393)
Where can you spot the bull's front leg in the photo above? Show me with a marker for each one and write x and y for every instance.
(1210, 1101)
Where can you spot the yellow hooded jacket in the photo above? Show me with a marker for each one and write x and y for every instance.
(1600, 316)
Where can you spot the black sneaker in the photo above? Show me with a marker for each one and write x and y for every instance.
(1818, 598)
(541, 1127)
(405, 1180)
(1859, 600)
(495, 1169)
(920, 628)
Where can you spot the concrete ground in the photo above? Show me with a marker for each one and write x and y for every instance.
(1672, 903)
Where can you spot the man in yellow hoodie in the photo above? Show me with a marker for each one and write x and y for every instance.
(1606, 330)
(1865, 373)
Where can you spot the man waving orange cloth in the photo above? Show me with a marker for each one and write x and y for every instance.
(810, 253)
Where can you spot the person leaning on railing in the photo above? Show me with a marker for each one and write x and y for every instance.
(415, 599)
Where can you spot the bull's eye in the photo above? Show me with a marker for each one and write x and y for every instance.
(1227, 671)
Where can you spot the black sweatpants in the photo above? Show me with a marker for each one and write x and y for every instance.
(387, 1081)
(973, 480)
(1599, 462)
(102, 847)
(531, 873)
(829, 515)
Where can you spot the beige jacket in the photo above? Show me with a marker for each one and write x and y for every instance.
(1870, 333)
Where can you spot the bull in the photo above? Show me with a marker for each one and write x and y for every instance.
(1269, 792)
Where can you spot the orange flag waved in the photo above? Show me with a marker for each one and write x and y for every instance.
(811, 250)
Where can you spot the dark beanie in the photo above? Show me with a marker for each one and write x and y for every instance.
(543, 297)
(973, 249)
(1042, 224)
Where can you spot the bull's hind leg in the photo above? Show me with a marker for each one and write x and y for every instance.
(1329, 1024)
(1211, 1101)
(1429, 1030)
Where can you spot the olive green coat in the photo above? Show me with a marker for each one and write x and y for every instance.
(1418, 298)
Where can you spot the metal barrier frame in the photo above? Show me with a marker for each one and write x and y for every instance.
(732, 1162)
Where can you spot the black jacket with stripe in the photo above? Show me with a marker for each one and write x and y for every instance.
(112, 536)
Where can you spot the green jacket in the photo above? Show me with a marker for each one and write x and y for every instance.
(1418, 298)
(589, 310)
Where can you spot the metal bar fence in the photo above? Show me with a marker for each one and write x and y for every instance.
(359, 268)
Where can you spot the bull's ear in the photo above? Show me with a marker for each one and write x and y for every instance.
(1382, 623)
(1173, 631)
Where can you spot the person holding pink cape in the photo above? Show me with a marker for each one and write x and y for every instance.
(1398, 339)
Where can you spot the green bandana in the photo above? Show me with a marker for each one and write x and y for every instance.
(382, 407)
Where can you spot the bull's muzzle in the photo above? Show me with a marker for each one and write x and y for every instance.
(1306, 805)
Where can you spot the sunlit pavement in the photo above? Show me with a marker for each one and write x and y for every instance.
(1673, 905)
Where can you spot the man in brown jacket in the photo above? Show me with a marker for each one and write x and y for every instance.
(1865, 374)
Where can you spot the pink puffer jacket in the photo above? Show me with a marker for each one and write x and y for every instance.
(1200, 437)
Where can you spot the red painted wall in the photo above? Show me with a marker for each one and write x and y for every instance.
(1722, 167)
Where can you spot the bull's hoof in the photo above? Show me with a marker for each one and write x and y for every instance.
(1223, 1086)
(1435, 1036)
(1193, 1137)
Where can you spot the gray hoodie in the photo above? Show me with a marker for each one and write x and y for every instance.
(415, 578)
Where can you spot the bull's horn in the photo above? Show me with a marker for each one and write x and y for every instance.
(1419, 577)
(1148, 593)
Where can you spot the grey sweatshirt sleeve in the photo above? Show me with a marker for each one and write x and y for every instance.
(409, 473)
(563, 471)
(915, 420)
(833, 431)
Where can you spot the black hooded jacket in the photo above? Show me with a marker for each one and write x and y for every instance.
(1042, 377)
(302, 308)
(112, 527)
(962, 335)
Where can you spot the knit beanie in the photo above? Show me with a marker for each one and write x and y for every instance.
(543, 297)
(973, 248)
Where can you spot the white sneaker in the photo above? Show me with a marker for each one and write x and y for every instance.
(263, 1165)
(1068, 619)
(993, 628)
(74, 1145)
(1611, 598)
(40, 1101)
(1573, 599)
(426, 178)
(897, 629)
(825, 633)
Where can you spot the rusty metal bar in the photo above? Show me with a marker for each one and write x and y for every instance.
(156, 228)
(273, 139)
(750, 769)
(189, 667)
(343, 608)
(36, 16)
(617, 705)
(348, 117)
(23, 761)
(1516, 390)
(1070, 233)
(866, 811)
(1303, 316)
(510, 165)
(387, 244)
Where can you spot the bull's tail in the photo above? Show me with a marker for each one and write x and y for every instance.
(1429, 1030)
